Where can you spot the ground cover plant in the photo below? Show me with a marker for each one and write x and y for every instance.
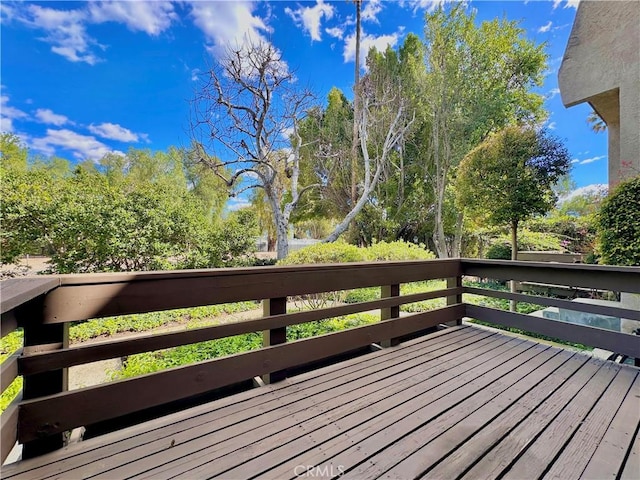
(154, 361)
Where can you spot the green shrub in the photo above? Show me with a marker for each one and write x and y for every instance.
(340, 252)
(398, 251)
(619, 225)
(9, 344)
(154, 361)
(576, 234)
(499, 251)
(337, 252)
(528, 241)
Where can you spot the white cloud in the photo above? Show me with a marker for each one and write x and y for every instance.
(47, 116)
(552, 126)
(149, 17)
(371, 10)
(113, 131)
(587, 161)
(598, 189)
(82, 146)
(335, 32)
(228, 24)
(545, 28)
(366, 42)
(310, 18)
(429, 5)
(568, 3)
(8, 114)
(552, 93)
(574, 161)
(66, 30)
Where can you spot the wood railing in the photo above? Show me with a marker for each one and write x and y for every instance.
(44, 306)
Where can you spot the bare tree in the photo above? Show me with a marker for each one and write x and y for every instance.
(248, 105)
(382, 124)
(248, 109)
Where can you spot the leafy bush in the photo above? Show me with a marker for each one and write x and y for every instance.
(398, 251)
(619, 225)
(9, 344)
(576, 234)
(337, 252)
(499, 251)
(528, 241)
(340, 252)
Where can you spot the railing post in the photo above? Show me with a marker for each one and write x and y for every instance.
(387, 291)
(276, 336)
(454, 282)
(39, 337)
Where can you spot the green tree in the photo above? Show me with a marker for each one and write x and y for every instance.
(13, 154)
(596, 122)
(509, 177)
(619, 225)
(583, 205)
(479, 79)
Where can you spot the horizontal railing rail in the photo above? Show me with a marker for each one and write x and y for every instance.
(557, 302)
(101, 295)
(620, 279)
(44, 307)
(43, 362)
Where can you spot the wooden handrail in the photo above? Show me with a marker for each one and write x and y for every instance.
(118, 294)
(68, 357)
(557, 302)
(620, 279)
(16, 292)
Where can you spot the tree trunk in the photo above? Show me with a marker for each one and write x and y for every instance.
(283, 238)
(439, 238)
(356, 110)
(281, 222)
(514, 256)
(456, 247)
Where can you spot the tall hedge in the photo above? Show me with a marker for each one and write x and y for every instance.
(619, 225)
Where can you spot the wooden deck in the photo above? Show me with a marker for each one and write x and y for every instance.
(460, 403)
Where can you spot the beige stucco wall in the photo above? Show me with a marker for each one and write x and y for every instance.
(601, 65)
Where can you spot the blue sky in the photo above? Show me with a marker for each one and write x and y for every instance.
(80, 79)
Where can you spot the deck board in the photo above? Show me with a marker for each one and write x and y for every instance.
(584, 440)
(609, 455)
(437, 440)
(463, 402)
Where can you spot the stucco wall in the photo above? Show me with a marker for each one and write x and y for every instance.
(601, 65)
